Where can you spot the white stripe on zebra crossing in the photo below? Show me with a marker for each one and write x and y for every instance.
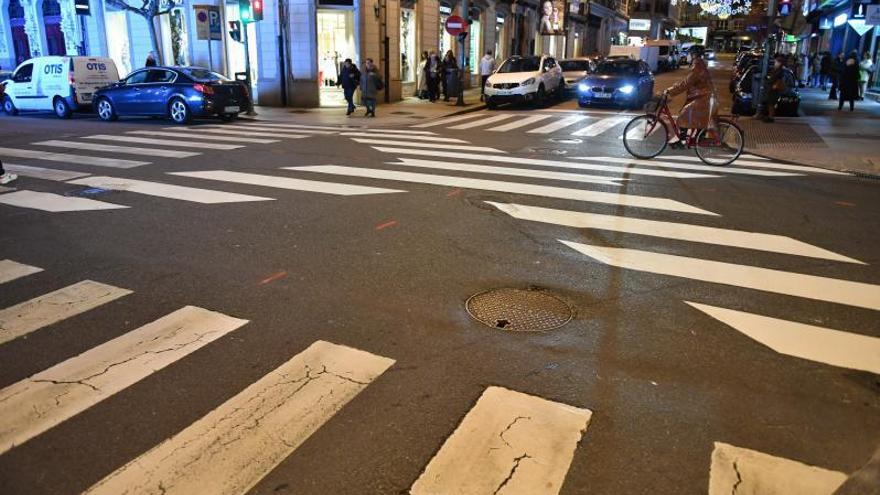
(165, 142)
(32, 315)
(43, 173)
(235, 132)
(430, 139)
(54, 203)
(449, 120)
(738, 470)
(666, 163)
(69, 158)
(559, 124)
(257, 127)
(484, 121)
(162, 190)
(339, 128)
(516, 172)
(856, 294)
(669, 230)
(206, 137)
(765, 163)
(36, 404)
(531, 119)
(233, 447)
(129, 150)
(286, 183)
(11, 270)
(507, 433)
(597, 128)
(815, 343)
(460, 147)
(544, 163)
(511, 187)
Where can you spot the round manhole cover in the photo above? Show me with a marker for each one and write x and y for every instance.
(519, 310)
(566, 140)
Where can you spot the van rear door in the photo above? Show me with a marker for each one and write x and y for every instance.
(91, 73)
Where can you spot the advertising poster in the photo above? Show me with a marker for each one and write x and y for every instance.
(552, 20)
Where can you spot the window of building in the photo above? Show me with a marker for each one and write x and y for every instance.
(408, 58)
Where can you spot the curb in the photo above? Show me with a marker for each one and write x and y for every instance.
(858, 173)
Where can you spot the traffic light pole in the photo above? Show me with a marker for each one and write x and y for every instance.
(247, 68)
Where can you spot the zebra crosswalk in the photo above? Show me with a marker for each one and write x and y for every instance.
(578, 124)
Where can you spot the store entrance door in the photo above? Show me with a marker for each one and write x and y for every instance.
(335, 44)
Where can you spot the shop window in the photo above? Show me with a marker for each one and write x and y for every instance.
(116, 24)
(475, 36)
(175, 40)
(20, 44)
(52, 23)
(408, 57)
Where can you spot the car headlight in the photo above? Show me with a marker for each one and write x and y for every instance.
(583, 88)
(628, 89)
(529, 81)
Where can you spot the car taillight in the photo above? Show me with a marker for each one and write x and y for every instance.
(204, 89)
(71, 79)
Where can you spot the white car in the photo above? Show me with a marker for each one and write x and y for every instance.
(529, 79)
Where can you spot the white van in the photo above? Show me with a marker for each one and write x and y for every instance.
(60, 84)
(668, 56)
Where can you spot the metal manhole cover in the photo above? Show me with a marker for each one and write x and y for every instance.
(566, 140)
(519, 310)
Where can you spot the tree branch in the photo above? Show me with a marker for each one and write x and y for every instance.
(122, 4)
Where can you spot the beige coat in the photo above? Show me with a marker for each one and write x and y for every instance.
(700, 95)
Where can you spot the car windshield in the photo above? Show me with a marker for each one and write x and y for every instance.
(203, 75)
(529, 64)
(617, 67)
(575, 65)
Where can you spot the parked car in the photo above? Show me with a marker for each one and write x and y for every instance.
(617, 82)
(709, 54)
(667, 55)
(743, 63)
(574, 70)
(179, 93)
(57, 83)
(788, 102)
(529, 78)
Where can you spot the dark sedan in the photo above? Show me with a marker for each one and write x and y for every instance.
(179, 93)
(743, 98)
(617, 82)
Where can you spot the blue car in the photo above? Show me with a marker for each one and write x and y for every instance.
(620, 82)
(179, 93)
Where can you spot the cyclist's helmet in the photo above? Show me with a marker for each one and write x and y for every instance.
(698, 51)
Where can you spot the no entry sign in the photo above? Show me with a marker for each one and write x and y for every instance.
(455, 25)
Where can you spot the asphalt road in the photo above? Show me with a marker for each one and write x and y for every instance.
(388, 273)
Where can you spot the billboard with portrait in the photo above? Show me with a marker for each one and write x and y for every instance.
(552, 18)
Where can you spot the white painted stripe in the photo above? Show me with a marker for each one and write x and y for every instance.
(254, 127)
(666, 163)
(764, 163)
(29, 316)
(165, 142)
(531, 119)
(544, 163)
(235, 132)
(819, 344)
(509, 442)
(11, 270)
(385, 142)
(429, 139)
(233, 447)
(856, 294)
(597, 128)
(484, 121)
(206, 137)
(340, 128)
(54, 203)
(559, 124)
(399, 131)
(287, 183)
(43, 173)
(516, 172)
(110, 148)
(449, 120)
(511, 187)
(738, 470)
(162, 190)
(754, 157)
(68, 158)
(36, 404)
(669, 230)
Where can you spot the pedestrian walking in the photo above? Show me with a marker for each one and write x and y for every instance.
(836, 71)
(151, 60)
(422, 78)
(815, 69)
(866, 66)
(6, 177)
(450, 68)
(776, 86)
(371, 84)
(849, 83)
(487, 67)
(349, 79)
(825, 70)
(433, 72)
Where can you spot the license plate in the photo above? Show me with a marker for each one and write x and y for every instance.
(602, 95)
(231, 109)
(502, 91)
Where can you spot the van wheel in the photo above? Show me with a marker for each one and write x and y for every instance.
(8, 106)
(179, 112)
(106, 112)
(62, 109)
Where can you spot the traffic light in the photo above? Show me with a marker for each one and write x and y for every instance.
(784, 8)
(257, 10)
(235, 30)
(244, 11)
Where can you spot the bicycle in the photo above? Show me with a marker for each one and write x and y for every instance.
(646, 136)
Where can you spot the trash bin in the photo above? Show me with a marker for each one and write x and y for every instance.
(453, 82)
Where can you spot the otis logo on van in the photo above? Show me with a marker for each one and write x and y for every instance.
(96, 66)
(53, 69)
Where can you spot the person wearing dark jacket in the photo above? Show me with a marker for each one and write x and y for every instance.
(825, 70)
(836, 71)
(849, 83)
(349, 79)
(151, 60)
(371, 84)
(434, 73)
(775, 87)
(449, 69)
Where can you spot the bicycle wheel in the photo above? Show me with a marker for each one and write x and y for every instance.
(645, 136)
(722, 145)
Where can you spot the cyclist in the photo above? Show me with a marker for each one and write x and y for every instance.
(700, 109)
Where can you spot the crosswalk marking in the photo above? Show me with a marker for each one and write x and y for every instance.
(11, 270)
(752, 161)
(162, 190)
(344, 128)
(32, 315)
(857, 294)
(531, 119)
(257, 127)
(206, 137)
(36, 404)
(516, 172)
(511, 187)
(559, 124)
(235, 132)
(666, 163)
(738, 470)
(69, 158)
(166, 142)
(670, 230)
(544, 163)
(43, 173)
(54, 203)
(483, 121)
(823, 345)
(449, 120)
(286, 183)
(509, 442)
(129, 150)
(431, 139)
(233, 447)
(460, 147)
(597, 128)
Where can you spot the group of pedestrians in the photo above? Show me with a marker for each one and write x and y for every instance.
(849, 76)
(369, 82)
(437, 76)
